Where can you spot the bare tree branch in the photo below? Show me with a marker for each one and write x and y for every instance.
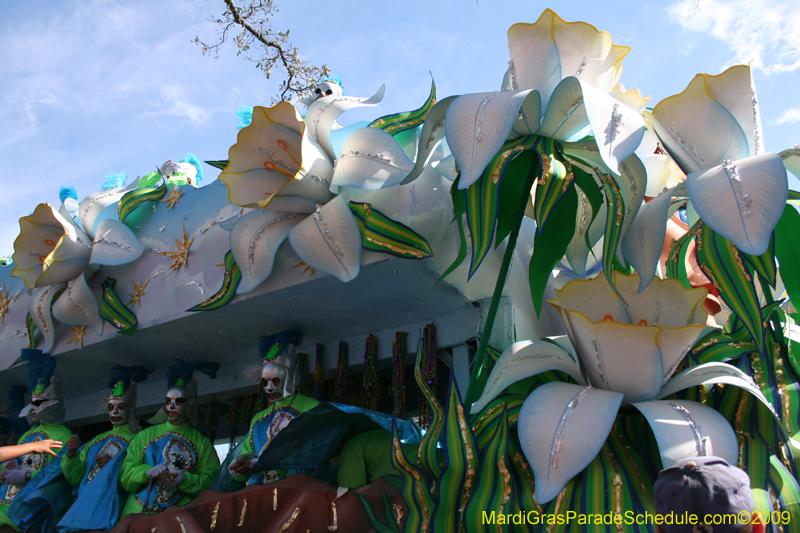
(268, 49)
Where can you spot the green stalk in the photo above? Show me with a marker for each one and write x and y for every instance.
(480, 357)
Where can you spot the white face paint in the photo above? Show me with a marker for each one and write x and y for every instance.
(117, 412)
(177, 405)
(273, 379)
(39, 404)
(327, 88)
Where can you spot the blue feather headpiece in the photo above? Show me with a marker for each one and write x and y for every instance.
(41, 367)
(338, 81)
(115, 180)
(67, 192)
(244, 115)
(121, 377)
(270, 346)
(192, 160)
(180, 373)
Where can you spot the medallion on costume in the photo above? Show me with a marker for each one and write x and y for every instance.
(170, 463)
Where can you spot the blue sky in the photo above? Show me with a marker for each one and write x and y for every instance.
(101, 86)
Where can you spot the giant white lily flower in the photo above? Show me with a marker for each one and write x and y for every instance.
(283, 167)
(618, 355)
(713, 131)
(63, 248)
(561, 75)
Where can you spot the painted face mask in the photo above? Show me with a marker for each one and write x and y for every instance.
(273, 380)
(178, 404)
(118, 412)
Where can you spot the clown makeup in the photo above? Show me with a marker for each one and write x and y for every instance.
(177, 406)
(117, 412)
(273, 380)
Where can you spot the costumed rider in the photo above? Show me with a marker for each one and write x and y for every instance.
(80, 468)
(46, 415)
(279, 378)
(171, 463)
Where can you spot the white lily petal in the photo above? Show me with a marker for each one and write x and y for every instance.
(371, 159)
(632, 185)
(617, 128)
(689, 429)
(92, 205)
(734, 89)
(577, 251)
(292, 204)
(432, 132)
(323, 113)
(696, 129)
(39, 307)
(522, 360)
(447, 167)
(741, 199)
(529, 116)
(662, 173)
(69, 209)
(77, 306)
(69, 258)
(791, 160)
(255, 239)
(476, 127)
(39, 233)
(644, 240)
(329, 240)
(114, 244)
(561, 429)
(710, 373)
(601, 347)
(632, 98)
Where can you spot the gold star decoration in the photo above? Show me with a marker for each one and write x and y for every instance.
(307, 268)
(172, 198)
(77, 335)
(138, 292)
(182, 255)
(4, 301)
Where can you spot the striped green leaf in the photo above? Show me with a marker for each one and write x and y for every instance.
(415, 489)
(31, 328)
(427, 448)
(550, 245)
(138, 197)
(380, 233)
(459, 478)
(676, 257)
(787, 249)
(390, 526)
(114, 311)
(490, 416)
(765, 264)
(400, 122)
(615, 207)
(722, 264)
(221, 164)
(493, 490)
(459, 208)
(555, 180)
(716, 347)
(233, 275)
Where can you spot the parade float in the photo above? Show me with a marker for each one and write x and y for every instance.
(567, 289)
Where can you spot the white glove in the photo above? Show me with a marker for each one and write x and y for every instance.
(156, 471)
(16, 477)
(180, 475)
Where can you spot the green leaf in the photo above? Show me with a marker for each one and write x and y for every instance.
(493, 488)
(138, 197)
(233, 275)
(764, 264)
(787, 249)
(555, 180)
(459, 208)
(716, 347)
(380, 527)
(614, 222)
(218, 164)
(400, 122)
(722, 264)
(549, 245)
(586, 183)
(458, 479)
(417, 492)
(430, 441)
(380, 233)
(114, 311)
(511, 189)
(676, 258)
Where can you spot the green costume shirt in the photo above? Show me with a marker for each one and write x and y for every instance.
(367, 457)
(75, 469)
(32, 462)
(182, 447)
(268, 423)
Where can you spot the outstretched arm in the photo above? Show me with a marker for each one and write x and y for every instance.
(42, 446)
